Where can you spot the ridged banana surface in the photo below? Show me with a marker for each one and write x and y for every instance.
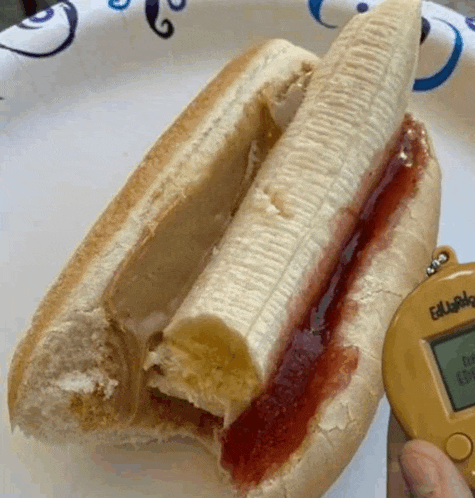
(219, 347)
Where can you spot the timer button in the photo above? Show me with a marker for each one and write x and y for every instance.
(458, 447)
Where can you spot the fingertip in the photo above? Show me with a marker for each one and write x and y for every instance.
(428, 471)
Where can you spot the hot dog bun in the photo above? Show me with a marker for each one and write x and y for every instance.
(71, 376)
(207, 232)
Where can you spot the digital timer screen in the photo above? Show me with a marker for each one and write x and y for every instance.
(455, 356)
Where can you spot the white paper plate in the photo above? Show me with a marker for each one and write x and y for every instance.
(86, 87)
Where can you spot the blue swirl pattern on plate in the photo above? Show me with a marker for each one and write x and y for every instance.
(177, 5)
(441, 76)
(421, 84)
(119, 4)
(315, 7)
(152, 10)
(42, 18)
(165, 29)
(152, 13)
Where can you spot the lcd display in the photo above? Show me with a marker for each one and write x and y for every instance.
(455, 357)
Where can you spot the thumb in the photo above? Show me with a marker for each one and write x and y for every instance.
(429, 472)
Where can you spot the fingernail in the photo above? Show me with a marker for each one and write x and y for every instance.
(421, 474)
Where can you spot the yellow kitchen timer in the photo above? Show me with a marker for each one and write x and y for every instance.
(429, 361)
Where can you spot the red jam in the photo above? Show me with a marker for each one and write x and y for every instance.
(313, 366)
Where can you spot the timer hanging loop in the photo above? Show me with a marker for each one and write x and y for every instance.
(431, 343)
(443, 256)
(437, 263)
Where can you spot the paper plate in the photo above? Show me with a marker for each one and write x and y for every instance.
(86, 87)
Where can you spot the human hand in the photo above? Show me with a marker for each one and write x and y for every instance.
(420, 469)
